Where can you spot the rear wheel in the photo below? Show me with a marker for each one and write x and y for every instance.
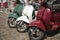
(11, 22)
(21, 26)
(36, 34)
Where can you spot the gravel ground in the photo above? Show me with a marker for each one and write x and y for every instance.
(7, 33)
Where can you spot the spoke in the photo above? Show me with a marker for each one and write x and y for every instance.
(35, 33)
(21, 23)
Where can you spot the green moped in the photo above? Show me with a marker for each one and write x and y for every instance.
(17, 12)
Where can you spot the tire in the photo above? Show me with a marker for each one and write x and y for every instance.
(36, 35)
(11, 22)
(21, 26)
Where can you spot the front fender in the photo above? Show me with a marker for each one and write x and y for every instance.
(24, 18)
(39, 24)
(14, 15)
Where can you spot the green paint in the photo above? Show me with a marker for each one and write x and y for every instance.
(18, 9)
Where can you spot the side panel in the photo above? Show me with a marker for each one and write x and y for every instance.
(40, 13)
(39, 24)
(18, 9)
(47, 16)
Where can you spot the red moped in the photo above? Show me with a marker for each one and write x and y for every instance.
(48, 19)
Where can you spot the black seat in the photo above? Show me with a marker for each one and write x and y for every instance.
(54, 5)
(58, 1)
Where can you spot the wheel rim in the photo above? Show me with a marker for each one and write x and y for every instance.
(22, 27)
(35, 33)
(12, 22)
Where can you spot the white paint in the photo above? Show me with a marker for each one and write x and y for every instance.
(28, 10)
(24, 18)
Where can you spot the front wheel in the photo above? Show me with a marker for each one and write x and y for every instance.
(21, 26)
(12, 22)
(35, 34)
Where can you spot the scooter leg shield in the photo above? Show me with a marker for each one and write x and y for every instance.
(23, 18)
(38, 24)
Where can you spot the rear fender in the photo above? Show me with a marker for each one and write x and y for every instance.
(38, 24)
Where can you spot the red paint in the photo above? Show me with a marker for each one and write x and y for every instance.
(39, 24)
(47, 16)
(40, 13)
(46, 19)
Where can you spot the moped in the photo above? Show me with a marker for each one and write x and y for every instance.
(16, 13)
(47, 20)
(28, 15)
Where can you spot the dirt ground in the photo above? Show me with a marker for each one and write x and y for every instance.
(7, 33)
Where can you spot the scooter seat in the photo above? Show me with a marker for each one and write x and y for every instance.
(54, 5)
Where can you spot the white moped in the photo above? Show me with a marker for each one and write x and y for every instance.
(23, 21)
